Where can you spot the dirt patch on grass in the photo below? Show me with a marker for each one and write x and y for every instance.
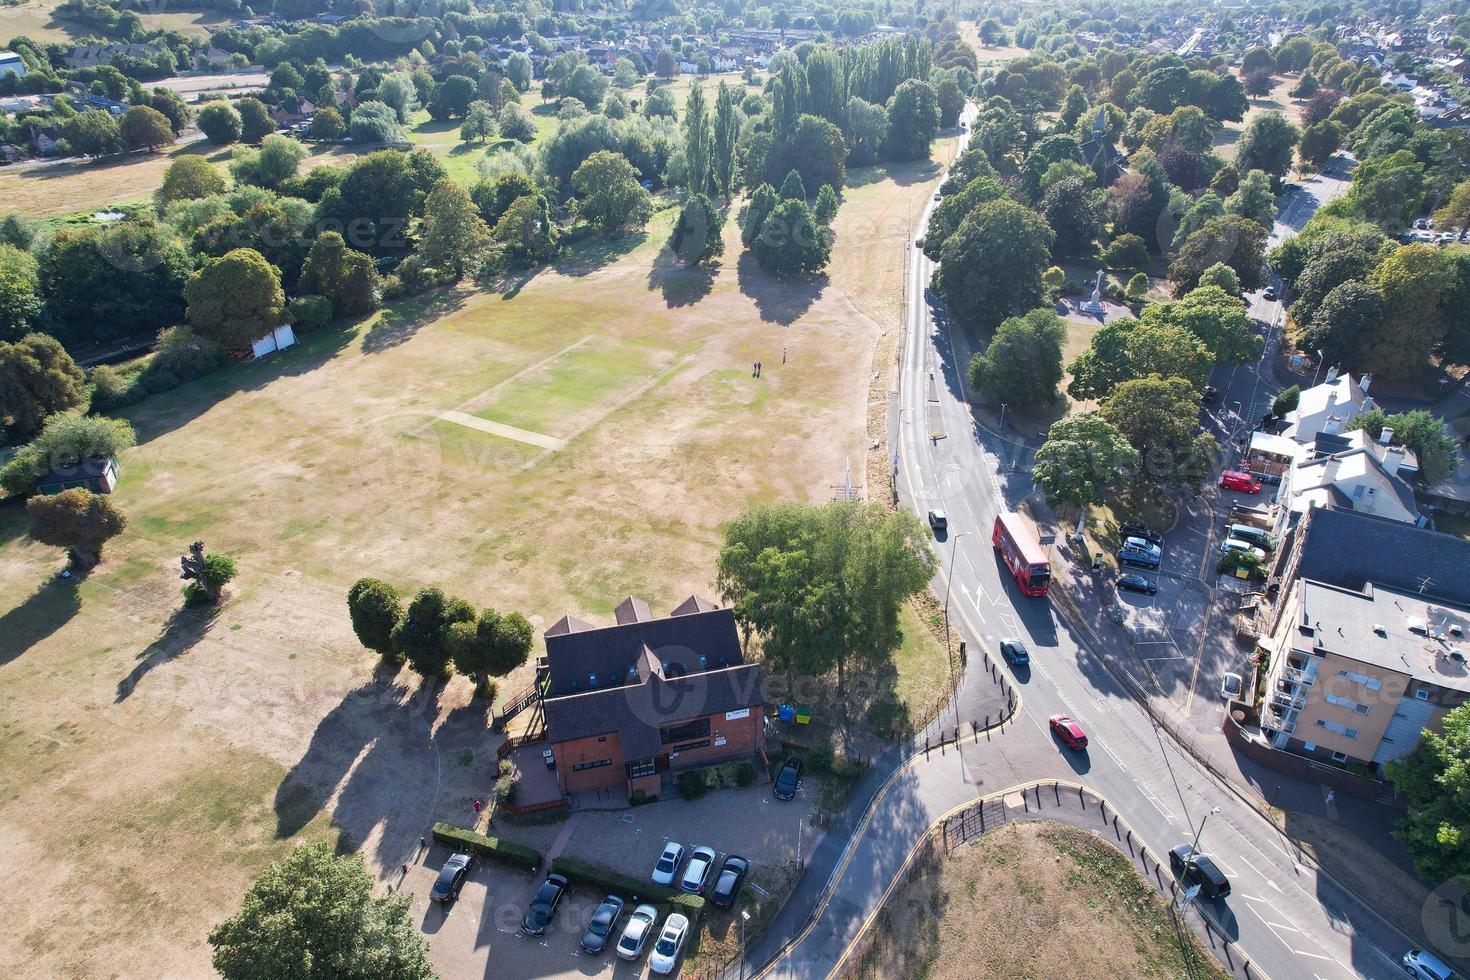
(1034, 900)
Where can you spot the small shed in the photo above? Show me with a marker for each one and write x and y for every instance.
(96, 475)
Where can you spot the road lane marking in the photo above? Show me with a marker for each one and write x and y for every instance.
(1252, 866)
(1114, 756)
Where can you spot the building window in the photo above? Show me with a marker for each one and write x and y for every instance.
(698, 728)
(703, 662)
(1422, 694)
(1309, 746)
(602, 738)
(643, 767)
(591, 680)
(591, 765)
(1342, 730)
(1339, 757)
(1371, 683)
(691, 746)
(1348, 703)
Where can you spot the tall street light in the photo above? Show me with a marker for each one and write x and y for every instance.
(1193, 848)
(949, 584)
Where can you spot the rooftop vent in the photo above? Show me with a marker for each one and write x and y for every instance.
(1380, 629)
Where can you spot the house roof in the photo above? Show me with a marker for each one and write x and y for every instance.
(87, 469)
(1351, 549)
(1339, 395)
(580, 656)
(632, 610)
(636, 712)
(1359, 467)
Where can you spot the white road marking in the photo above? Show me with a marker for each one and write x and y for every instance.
(1114, 756)
(1258, 871)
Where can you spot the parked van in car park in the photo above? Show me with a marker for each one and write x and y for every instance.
(1418, 963)
(1256, 536)
(1196, 869)
(1236, 544)
(1240, 480)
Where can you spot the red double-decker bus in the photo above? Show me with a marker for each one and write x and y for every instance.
(1023, 555)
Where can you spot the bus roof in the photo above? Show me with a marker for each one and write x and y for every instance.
(1025, 538)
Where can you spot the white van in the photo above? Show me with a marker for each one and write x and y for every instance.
(1418, 963)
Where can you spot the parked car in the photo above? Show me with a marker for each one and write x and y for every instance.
(1427, 966)
(938, 521)
(1133, 582)
(1137, 551)
(1068, 731)
(1255, 535)
(1270, 292)
(543, 907)
(1243, 547)
(919, 241)
(697, 871)
(636, 932)
(1133, 529)
(603, 923)
(1448, 237)
(1240, 480)
(1014, 651)
(1230, 685)
(1209, 394)
(668, 864)
(1197, 869)
(788, 780)
(727, 885)
(665, 955)
(451, 878)
(937, 195)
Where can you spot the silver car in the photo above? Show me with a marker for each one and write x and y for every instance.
(696, 874)
(668, 864)
(636, 932)
(665, 955)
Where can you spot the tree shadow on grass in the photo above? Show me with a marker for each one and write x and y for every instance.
(398, 324)
(902, 174)
(40, 614)
(184, 628)
(779, 299)
(510, 282)
(161, 414)
(682, 284)
(584, 256)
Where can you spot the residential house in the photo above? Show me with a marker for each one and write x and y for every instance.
(626, 704)
(11, 64)
(1350, 471)
(93, 55)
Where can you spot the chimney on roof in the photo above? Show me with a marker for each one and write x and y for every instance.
(1333, 425)
(1393, 459)
(1331, 375)
(1385, 438)
(1364, 382)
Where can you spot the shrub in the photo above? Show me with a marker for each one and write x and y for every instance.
(820, 757)
(639, 798)
(112, 388)
(196, 595)
(308, 313)
(504, 851)
(691, 785)
(744, 774)
(606, 880)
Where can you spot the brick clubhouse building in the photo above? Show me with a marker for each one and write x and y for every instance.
(625, 704)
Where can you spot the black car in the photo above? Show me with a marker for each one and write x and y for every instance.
(543, 906)
(1133, 529)
(603, 923)
(787, 780)
(1209, 394)
(727, 885)
(451, 878)
(1014, 651)
(1195, 868)
(1137, 583)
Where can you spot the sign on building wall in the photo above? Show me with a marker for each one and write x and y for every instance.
(737, 714)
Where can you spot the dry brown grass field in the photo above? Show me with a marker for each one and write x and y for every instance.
(36, 20)
(155, 760)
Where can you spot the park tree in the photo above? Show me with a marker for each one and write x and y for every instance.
(65, 440)
(375, 609)
(1253, 199)
(991, 266)
(255, 120)
(173, 108)
(697, 237)
(422, 635)
(346, 277)
(38, 379)
(313, 916)
(188, 178)
(1267, 145)
(1257, 59)
(379, 197)
(866, 131)
(825, 210)
(479, 123)
(1126, 252)
(207, 574)
(492, 645)
(822, 587)
(1293, 54)
(1217, 318)
(78, 520)
(452, 97)
(1434, 780)
(1072, 211)
(1137, 289)
(1328, 269)
(20, 288)
(453, 235)
(1389, 189)
(516, 123)
(1160, 419)
(1346, 324)
(1238, 242)
(951, 101)
(520, 70)
(143, 127)
(104, 283)
(1083, 459)
(1455, 212)
(236, 299)
(1413, 280)
(913, 121)
(397, 92)
(951, 211)
(327, 125)
(793, 188)
(275, 162)
(1423, 433)
(1022, 365)
(610, 196)
(1320, 142)
(525, 233)
(697, 140)
(815, 151)
(724, 140)
(375, 123)
(1222, 277)
(1126, 350)
(93, 133)
(762, 202)
(792, 241)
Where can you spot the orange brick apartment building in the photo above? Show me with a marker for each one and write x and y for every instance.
(625, 704)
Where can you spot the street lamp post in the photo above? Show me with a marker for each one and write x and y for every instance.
(1193, 848)
(744, 917)
(1002, 416)
(949, 584)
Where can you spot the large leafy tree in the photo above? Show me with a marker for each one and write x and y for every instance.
(823, 586)
(526, 232)
(1125, 350)
(219, 122)
(1421, 431)
(1320, 142)
(101, 284)
(277, 160)
(189, 177)
(816, 150)
(952, 210)
(913, 120)
(236, 299)
(255, 120)
(20, 287)
(1346, 324)
(697, 236)
(1253, 199)
(609, 195)
(452, 97)
(991, 266)
(346, 277)
(1413, 281)
(422, 635)
(1455, 212)
(723, 141)
(1267, 144)
(1073, 213)
(313, 916)
(1217, 318)
(1083, 458)
(378, 198)
(38, 379)
(375, 608)
(66, 439)
(1023, 363)
(77, 520)
(491, 646)
(791, 240)
(1238, 242)
(762, 202)
(1160, 418)
(142, 127)
(1434, 780)
(453, 235)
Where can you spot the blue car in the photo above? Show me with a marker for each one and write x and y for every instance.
(1137, 551)
(1014, 651)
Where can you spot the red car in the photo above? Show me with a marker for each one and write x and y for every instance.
(1240, 480)
(1068, 731)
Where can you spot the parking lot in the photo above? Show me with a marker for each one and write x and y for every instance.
(479, 935)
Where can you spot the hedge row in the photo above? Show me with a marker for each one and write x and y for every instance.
(504, 851)
(607, 880)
